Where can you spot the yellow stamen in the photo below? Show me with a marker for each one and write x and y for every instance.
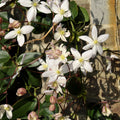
(35, 4)
(95, 41)
(81, 60)
(58, 72)
(7, 108)
(62, 57)
(55, 84)
(18, 32)
(62, 32)
(45, 66)
(62, 11)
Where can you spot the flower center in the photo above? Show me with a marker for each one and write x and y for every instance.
(62, 32)
(95, 41)
(7, 108)
(35, 4)
(55, 84)
(81, 60)
(58, 72)
(62, 57)
(18, 32)
(62, 11)
(45, 66)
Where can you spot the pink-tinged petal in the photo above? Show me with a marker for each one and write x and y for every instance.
(87, 55)
(43, 9)
(57, 18)
(27, 29)
(12, 34)
(94, 32)
(67, 14)
(75, 53)
(55, 8)
(99, 49)
(25, 3)
(94, 51)
(67, 34)
(88, 66)
(56, 36)
(103, 38)
(9, 114)
(86, 38)
(63, 38)
(65, 5)
(21, 40)
(31, 14)
(88, 46)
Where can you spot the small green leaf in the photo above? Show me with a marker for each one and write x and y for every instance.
(4, 57)
(4, 15)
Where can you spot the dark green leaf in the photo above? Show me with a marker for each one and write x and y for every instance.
(4, 57)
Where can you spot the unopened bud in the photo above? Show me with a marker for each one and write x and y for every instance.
(1, 20)
(2, 33)
(21, 92)
(52, 107)
(52, 99)
(32, 116)
(9, 47)
(3, 47)
(15, 24)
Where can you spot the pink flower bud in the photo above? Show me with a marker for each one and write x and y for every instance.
(32, 116)
(52, 107)
(15, 24)
(52, 99)
(1, 20)
(2, 32)
(60, 99)
(21, 91)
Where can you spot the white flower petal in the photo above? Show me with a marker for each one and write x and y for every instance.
(67, 34)
(57, 18)
(63, 38)
(27, 29)
(55, 8)
(25, 3)
(31, 14)
(21, 40)
(94, 32)
(94, 51)
(86, 38)
(65, 5)
(12, 34)
(76, 65)
(99, 49)
(87, 55)
(67, 14)
(56, 36)
(61, 81)
(48, 92)
(9, 114)
(40, 68)
(88, 46)
(103, 38)
(47, 74)
(65, 68)
(43, 9)
(11, 20)
(88, 66)
(2, 4)
(75, 53)
(1, 113)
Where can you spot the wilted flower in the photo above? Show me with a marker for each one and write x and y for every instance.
(61, 10)
(6, 108)
(95, 42)
(21, 91)
(61, 33)
(33, 116)
(106, 110)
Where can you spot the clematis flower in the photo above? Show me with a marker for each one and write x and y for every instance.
(6, 108)
(19, 33)
(82, 60)
(3, 2)
(34, 6)
(61, 10)
(61, 33)
(95, 41)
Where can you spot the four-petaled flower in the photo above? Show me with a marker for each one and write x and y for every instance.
(95, 42)
(6, 108)
(61, 10)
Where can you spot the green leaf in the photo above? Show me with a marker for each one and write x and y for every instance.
(73, 9)
(4, 57)
(29, 58)
(4, 15)
(23, 107)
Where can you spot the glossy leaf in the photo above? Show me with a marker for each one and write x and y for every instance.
(4, 57)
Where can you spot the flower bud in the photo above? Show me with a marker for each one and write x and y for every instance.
(32, 116)
(1, 20)
(9, 47)
(52, 99)
(60, 100)
(4, 47)
(52, 107)
(15, 24)
(2, 33)
(21, 92)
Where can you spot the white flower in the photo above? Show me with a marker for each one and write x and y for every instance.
(61, 33)
(6, 108)
(61, 10)
(106, 110)
(34, 6)
(19, 33)
(95, 42)
(3, 2)
(82, 60)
